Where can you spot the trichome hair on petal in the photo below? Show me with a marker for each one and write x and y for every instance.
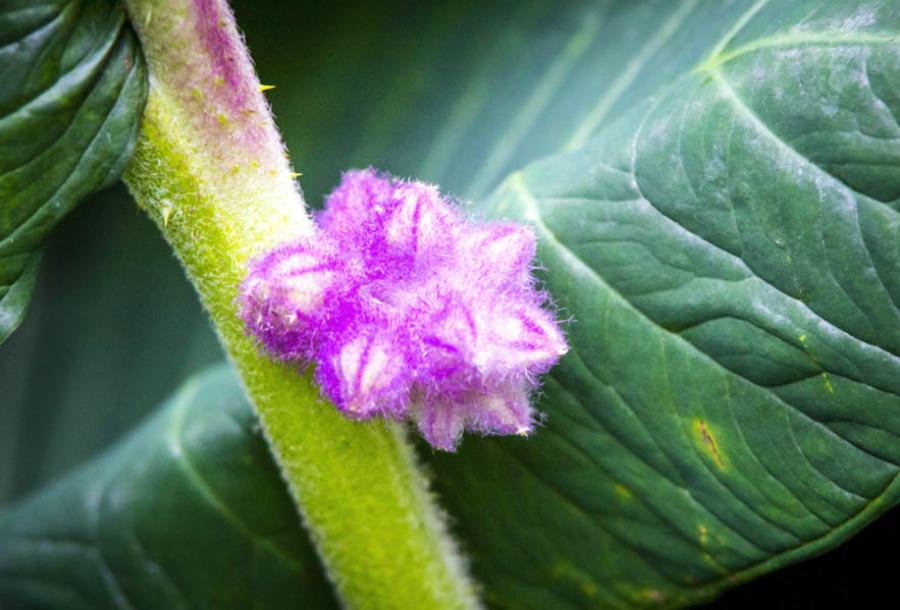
(408, 309)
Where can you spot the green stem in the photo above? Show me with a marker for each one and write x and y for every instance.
(209, 168)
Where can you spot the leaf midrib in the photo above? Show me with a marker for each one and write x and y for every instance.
(826, 38)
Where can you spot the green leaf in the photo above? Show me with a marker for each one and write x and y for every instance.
(112, 329)
(14, 298)
(188, 511)
(729, 253)
(73, 88)
(691, 439)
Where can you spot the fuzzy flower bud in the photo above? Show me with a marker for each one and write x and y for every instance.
(408, 309)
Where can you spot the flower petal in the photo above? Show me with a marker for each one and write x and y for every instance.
(419, 221)
(518, 338)
(365, 375)
(506, 248)
(408, 308)
(283, 296)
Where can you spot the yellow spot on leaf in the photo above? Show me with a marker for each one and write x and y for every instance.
(652, 595)
(703, 534)
(828, 387)
(565, 571)
(622, 491)
(708, 442)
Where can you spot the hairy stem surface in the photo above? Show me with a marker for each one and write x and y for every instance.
(210, 169)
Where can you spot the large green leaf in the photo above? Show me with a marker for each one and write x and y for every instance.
(729, 253)
(188, 511)
(620, 498)
(113, 328)
(72, 86)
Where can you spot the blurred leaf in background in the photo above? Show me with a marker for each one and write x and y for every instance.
(113, 329)
(126, 531)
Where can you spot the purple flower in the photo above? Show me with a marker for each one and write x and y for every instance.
(409, 309)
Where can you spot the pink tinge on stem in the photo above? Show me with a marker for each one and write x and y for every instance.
(201, 67)
(229, 90)
(409, 309)
(227, 67)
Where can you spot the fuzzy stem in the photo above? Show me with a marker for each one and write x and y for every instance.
(210, 169)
